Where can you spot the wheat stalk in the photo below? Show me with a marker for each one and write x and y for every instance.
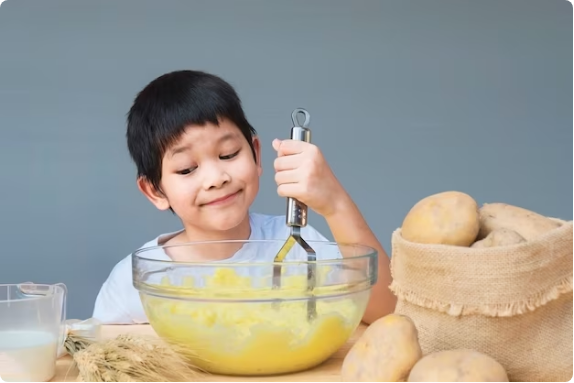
(131, 358)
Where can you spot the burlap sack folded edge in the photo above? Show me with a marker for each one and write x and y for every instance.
(561, 284)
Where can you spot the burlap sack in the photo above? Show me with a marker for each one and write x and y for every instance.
(512, 303)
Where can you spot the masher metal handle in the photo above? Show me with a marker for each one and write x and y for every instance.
(296, 210)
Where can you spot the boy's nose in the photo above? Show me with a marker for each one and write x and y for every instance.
(216, 178)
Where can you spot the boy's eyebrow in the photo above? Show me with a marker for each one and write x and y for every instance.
(226, 137)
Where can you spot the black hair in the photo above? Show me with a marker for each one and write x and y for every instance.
(168, 105)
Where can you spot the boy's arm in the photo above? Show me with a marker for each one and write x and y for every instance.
(303, 173)
(108, 308)
(348, 226)
(112, 300)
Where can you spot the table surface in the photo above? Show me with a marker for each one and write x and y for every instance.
(329, 371)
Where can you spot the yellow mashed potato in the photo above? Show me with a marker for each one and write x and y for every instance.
(253, 338)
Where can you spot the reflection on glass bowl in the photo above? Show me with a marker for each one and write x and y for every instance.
(232, 320)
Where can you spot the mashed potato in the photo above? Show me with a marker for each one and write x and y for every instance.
(256, 337)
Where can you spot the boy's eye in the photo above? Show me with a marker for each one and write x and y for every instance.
(230, 156)
(185, 171)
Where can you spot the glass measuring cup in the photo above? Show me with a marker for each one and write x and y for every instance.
(32, 330)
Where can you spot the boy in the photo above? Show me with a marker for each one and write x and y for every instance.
(198, 156)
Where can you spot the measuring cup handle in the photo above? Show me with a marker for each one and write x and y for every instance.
(63, 332)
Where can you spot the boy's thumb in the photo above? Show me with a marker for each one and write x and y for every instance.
(276, 144)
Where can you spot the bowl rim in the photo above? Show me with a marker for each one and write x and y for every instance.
(365, 250)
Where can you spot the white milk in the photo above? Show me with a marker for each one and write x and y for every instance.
(27, 355)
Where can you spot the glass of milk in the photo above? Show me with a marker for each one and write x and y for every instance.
(32, 330)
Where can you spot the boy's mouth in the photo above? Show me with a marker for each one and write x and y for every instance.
(222, 200)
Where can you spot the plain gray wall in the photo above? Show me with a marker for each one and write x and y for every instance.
(407, 98)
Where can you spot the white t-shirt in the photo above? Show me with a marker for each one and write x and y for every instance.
(118, 301)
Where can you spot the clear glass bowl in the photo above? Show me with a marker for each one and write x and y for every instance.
(231, 320)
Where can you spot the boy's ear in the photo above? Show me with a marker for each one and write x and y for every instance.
(257, 148)
(155, 196)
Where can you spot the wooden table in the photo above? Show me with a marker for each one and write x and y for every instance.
(329, 371)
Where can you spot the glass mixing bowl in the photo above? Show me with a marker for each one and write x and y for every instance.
(228, 318)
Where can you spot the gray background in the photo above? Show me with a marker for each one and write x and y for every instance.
(407, 98)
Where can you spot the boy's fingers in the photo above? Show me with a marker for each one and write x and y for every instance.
(288, 147)
(286, 163)
(286, 177)
(292, 190)
(276, 143)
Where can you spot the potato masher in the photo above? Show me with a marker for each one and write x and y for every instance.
(296, 218)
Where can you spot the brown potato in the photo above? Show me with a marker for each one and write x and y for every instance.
(499, 237)
(528, 224)
(386, 352)
(448, 218)
(457, 366)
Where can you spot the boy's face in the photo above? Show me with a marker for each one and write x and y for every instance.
(209, 177)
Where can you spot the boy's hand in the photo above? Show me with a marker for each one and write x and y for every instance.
(302, 173)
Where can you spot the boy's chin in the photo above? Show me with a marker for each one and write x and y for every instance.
(228, 223)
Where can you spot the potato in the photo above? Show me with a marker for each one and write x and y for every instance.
(448, 218)
(499, 237)
(460, 365)
(528, 224)
(386, 351)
